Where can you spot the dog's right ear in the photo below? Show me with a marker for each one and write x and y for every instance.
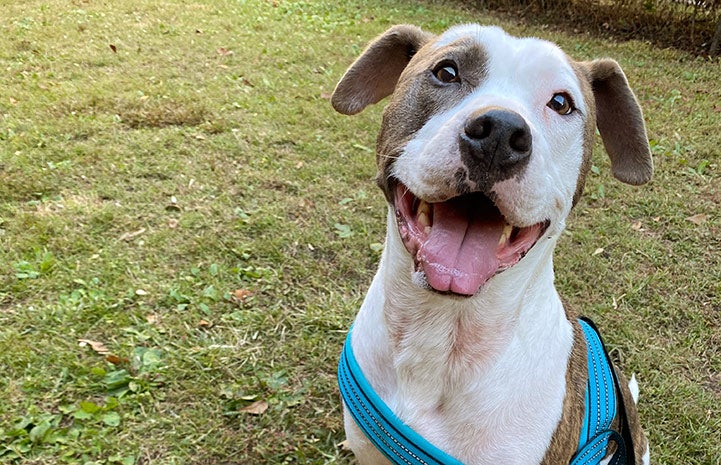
(620, 121)
(374, 75)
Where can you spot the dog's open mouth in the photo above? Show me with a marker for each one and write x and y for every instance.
(461, 243)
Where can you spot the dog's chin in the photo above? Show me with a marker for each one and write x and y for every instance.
(459, 244)
(419, 278)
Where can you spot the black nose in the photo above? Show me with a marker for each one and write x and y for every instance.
(495, 140)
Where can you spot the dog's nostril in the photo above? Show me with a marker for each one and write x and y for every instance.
(479, 128)
(521, 140)
(501, 137)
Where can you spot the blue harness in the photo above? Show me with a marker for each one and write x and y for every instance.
(403, 446)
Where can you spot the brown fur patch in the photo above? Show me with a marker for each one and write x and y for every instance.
(374, 74)
(564, 442)
(565, 439)
(620, 121)
(640, 443)
(418, 97)
(589, 130)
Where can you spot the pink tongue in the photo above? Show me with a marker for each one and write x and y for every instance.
(460, 252)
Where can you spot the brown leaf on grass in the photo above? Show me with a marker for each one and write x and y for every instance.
(256, 408)
(205, 324)
(222, 51)
(98, 347)
(113, 48)
(239, 295)
(115, 360)
(637, 226)
(152, 319)
(699, 218)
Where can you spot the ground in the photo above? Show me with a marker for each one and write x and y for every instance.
(187, 229)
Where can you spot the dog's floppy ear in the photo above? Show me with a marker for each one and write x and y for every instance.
(620, 121)
(375, 73)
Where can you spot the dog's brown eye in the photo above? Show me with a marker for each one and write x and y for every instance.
(446, 72)
(561, 103)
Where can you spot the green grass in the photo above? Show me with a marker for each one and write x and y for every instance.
(188, 198)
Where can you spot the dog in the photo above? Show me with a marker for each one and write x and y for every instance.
(483, 150)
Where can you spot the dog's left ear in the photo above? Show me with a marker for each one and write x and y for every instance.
(375, 73)
(620, 121)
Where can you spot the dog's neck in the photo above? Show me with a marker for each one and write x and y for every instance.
(473, 330)
(422, 347)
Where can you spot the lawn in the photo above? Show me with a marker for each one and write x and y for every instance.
(187, 229)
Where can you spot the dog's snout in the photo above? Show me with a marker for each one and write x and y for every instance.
(496, 139)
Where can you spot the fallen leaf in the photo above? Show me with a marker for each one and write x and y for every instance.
(256, 408)
(697, 219)
(637, 226)
(172, 223)
(205, 324)
(113, 48)
(597, 251)
(115, 360)
(13, 102)
(98, 347)
(131, 235)
(222, 51)
(299, 165)
(241, 294)
(152, 319)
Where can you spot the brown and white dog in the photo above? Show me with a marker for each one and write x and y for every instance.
(482, 153)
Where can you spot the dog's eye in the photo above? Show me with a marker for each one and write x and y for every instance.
(561, 103)
(446, 72)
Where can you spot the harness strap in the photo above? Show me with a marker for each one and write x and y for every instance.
(396, 440)
(403, 446)
(601, 408)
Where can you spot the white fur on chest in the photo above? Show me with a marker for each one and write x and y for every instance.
(481, 397)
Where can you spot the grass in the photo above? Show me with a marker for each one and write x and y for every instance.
(187, 229)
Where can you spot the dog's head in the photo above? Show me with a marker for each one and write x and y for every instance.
(486, 142)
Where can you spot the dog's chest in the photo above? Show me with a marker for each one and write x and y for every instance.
(468, 408)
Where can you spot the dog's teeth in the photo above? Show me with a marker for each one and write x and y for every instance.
(423, 219)
(423, 207)
(424, 216)
(507, 230)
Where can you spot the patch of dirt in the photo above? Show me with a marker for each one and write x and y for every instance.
(714, 384)
(666, 24)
